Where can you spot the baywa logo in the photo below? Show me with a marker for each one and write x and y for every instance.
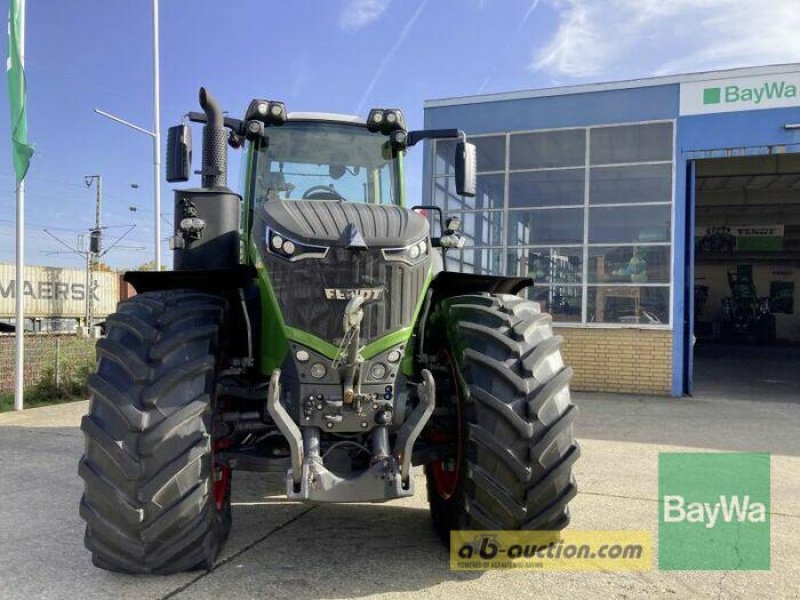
(731, 94)
(714, 511)
(729, 508)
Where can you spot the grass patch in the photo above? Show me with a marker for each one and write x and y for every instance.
(48, 392)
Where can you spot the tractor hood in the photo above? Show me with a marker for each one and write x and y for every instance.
(346, 253)
(330, 222)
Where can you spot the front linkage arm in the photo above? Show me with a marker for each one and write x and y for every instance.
(389, 474)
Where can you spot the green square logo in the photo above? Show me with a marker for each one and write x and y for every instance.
(714, 511)
(712, 95)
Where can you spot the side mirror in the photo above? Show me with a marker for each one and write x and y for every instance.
(179, 153)
(466, 169)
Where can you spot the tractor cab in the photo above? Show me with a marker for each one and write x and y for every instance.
(318, 156)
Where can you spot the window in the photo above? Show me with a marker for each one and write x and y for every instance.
(546, 188)
(325, 161)
(480, 261)
(594, 234)
(547, 265)
(483, 228)
(629, 224)
(490, 193)
(548, 149)
(564, 303)
(631, 144)
(491, 152)
(628, 304)
(628, 185)
(556, 226)
(629, 264)
(444, 194)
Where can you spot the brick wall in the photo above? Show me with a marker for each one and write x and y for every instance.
(619, 360)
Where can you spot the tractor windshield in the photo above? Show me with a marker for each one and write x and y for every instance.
(318, 160)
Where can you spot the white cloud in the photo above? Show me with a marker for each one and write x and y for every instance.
(611, 38)
(360, 13)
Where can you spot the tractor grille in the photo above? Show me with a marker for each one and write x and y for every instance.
(301, 287)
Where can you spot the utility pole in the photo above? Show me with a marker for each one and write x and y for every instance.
(155, 134)
(95, 245)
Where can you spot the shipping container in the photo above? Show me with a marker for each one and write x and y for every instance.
(54, 292)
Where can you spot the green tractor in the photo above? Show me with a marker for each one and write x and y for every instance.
(310, 328)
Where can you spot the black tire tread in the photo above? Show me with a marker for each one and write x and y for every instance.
(148, 501)
(520, 445)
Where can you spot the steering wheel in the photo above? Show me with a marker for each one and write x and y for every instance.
(321, 192)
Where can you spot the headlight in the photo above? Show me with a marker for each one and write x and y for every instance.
(378, 371)
(385, 120)
(412, 254)
(268, 112)
(281, 246)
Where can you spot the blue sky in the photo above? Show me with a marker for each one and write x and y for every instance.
(333, 55)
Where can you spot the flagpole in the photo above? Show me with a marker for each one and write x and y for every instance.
(19, 321)
(156, 145)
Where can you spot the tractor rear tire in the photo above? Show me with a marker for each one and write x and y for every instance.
(153, 500)
(516, 444)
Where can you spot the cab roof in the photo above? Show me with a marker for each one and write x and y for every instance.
(323, 116)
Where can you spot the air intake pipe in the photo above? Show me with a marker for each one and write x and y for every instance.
(215, 152)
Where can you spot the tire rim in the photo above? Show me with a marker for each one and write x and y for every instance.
(447, 472)
(221, 474)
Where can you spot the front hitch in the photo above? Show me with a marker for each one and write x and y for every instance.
(389, 473)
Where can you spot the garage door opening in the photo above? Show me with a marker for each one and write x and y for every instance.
(746, 277)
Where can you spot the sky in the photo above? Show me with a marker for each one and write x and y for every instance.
(324, 55)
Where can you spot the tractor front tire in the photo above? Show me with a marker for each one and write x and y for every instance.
(516, 445)
(153, 500)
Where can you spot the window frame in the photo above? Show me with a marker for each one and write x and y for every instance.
(585, 285)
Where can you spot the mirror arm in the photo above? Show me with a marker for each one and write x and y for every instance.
(434, 134)
(235, 125)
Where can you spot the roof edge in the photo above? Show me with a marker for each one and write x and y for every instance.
(624, 84)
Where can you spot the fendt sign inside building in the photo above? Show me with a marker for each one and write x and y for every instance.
(744, 93)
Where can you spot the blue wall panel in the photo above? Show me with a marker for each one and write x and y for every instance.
(551, 112)
(738, 129)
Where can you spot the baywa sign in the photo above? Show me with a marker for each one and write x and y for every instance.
(714, 511)
(745, 93)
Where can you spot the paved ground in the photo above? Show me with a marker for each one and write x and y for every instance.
(747, 372)
(280, 549)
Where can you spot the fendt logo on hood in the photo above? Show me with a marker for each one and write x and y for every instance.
(347, 293)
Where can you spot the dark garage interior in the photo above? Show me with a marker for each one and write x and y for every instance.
(746, 276)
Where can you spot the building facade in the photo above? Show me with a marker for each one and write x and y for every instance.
(592, 191)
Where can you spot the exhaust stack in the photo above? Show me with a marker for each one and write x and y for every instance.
(207, 218)
(215, 151)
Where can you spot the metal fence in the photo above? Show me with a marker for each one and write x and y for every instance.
(59, 359)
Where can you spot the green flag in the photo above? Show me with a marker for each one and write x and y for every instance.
(22, 151)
